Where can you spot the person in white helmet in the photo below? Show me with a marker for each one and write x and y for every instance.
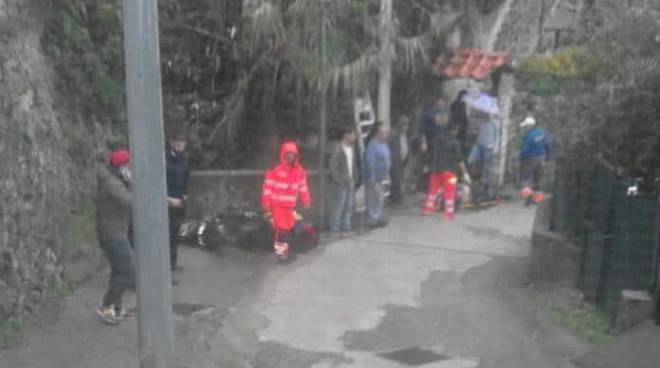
(535, 151)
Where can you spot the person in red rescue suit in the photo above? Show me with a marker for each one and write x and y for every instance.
(446, 161)
(281, 188)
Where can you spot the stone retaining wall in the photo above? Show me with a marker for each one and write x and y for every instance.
(213, 192)
(47, 167)
(554, 258)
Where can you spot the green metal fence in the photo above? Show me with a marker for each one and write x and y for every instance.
(618, 232)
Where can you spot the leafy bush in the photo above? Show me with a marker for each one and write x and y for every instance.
(8, 329)
(585, 322)
(88, 70)
(62, 288)
(542, 85)
(570, 62)
(607, 103)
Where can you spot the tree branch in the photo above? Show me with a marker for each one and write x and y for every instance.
(202, 32)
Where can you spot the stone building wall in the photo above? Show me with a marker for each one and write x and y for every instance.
(215, 192)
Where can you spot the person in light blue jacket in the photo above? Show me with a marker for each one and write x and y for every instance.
(485, 151)
(375, 171)
(536, 149)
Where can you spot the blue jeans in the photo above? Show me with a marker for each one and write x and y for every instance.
(375, 200)
(120, 255)
(342, 213)
(487, 157)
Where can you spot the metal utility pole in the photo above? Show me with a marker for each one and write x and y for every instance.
(145, 116)
(323, 115)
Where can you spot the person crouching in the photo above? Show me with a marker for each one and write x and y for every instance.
(281, 188)
(446, 161)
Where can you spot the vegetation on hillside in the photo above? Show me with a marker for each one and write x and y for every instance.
(606, 92)
(238, 72)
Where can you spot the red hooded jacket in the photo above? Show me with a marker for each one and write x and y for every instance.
(285, 182)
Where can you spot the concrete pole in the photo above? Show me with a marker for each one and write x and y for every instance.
(385, 64)
(145, 116)
(323, 117)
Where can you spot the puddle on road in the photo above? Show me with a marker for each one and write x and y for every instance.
(415, 356)
(187, 309)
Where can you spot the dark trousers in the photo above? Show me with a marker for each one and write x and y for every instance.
(176, 218)
(120, 255)
(397, 177)
(531, 172)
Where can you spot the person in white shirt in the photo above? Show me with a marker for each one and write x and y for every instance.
(344, 177)
(399, 147)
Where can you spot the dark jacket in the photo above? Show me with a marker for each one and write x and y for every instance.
(395, 149)
(447, 154)
(178, 175)
(458, 112)
(430, 127)
(113, 206)
(339, 168)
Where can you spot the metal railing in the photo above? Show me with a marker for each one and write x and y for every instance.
(617, 228)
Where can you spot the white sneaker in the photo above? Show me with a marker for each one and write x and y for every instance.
(107, 314)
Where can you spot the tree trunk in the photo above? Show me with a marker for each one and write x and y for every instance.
(385, 63)
(474, 20)
(506, 94)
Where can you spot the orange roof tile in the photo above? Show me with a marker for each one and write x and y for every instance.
(470, 63)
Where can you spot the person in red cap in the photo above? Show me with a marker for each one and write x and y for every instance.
(281, 188)
(113, 219)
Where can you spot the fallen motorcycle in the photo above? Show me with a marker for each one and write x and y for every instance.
(249, 230)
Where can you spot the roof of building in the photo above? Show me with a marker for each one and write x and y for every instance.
(470, 63)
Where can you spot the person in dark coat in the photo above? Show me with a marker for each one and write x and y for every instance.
(178, 176)
(459, 116)
(113, 218)
(400, 151)
(446, 164)
(344, 178)
(434, 121)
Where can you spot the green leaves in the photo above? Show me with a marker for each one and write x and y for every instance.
(585, 322)
(86, 67)
(8, 329)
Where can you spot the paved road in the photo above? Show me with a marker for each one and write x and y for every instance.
(421, 292)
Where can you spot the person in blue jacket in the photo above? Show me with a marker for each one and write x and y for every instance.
(535, 151)
(375, 171)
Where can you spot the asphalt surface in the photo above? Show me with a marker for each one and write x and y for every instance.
(420, 292)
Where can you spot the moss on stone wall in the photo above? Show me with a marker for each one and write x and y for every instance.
(87, 65)
(80, 230)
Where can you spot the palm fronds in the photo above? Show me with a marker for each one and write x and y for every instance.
(352, 76)
(266, 24)
(412, 52)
